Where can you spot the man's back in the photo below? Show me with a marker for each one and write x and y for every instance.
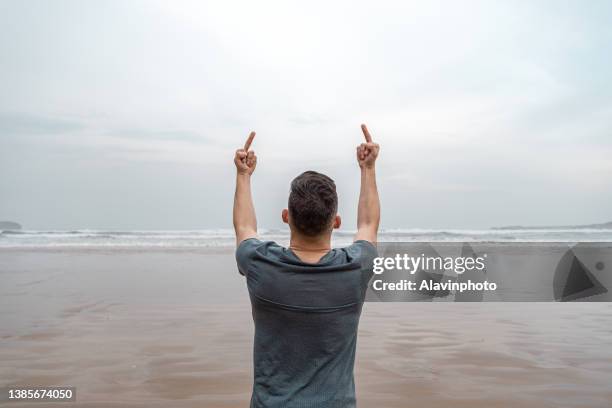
(306, 318)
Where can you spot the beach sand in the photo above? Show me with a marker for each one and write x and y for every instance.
(172, 328)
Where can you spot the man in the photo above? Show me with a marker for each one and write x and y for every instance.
(306, 299)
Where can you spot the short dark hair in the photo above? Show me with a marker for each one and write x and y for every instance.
(313, 202)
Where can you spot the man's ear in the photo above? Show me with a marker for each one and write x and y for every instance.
(337, 222)
(285, 216)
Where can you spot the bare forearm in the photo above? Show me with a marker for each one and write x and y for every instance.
(245, 222)
(368, 211)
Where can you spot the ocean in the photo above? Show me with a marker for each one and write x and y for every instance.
(224, 238)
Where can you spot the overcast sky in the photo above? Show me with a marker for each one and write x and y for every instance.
(126, 114)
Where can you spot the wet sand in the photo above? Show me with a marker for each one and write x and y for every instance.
(153, 328)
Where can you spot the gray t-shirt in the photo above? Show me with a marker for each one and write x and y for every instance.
(306, 318)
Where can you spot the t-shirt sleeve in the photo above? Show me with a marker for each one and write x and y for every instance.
(366, 252)
(245, 252)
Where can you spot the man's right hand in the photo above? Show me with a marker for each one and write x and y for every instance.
(367, 152)
(244, 159)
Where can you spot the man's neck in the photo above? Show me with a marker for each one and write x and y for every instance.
(320, 243)
(310, 249)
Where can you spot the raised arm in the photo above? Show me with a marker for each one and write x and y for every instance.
(368, 212)
(245, 223)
